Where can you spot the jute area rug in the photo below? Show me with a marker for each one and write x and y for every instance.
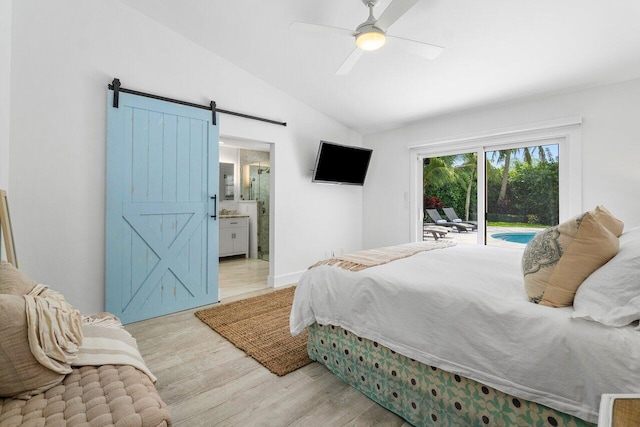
(259, 326)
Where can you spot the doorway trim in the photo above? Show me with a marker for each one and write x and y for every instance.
(250, 144)
(566, 130)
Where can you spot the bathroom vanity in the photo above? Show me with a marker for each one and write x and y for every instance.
(234, 235)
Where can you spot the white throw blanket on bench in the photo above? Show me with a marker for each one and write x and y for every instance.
(59, 337)
(106, 342)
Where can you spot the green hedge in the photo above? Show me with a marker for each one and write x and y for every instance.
(497, 217)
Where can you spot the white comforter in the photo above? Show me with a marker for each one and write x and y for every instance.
(464, 309)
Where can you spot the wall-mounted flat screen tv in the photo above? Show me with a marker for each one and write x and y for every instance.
(341, 164)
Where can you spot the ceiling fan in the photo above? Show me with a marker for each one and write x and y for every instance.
(372, 34)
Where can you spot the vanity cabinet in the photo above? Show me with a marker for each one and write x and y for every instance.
(234, 236)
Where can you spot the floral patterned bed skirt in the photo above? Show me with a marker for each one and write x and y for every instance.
(421, 394)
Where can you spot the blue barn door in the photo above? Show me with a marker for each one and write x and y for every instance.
(161, 233)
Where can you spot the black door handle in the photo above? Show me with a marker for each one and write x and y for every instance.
(215, 207)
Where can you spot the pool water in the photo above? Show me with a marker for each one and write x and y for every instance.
(523, 237)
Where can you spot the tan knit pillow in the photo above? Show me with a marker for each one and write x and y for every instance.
(609, 221)
(21, 375)
(13, 282)
(559, 259)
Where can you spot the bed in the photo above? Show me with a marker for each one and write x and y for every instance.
(448, 336)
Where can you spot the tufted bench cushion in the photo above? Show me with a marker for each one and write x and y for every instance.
(91, 396)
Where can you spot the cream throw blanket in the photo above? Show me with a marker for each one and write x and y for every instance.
(106, 342)
(358, 261)
(54, 329)
(60, 337)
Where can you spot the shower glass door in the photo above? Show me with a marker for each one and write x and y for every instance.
(258, 190)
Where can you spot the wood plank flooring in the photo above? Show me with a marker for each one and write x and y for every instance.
(206, 381)
(239, 275)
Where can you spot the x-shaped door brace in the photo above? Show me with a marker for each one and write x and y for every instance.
(134, 213)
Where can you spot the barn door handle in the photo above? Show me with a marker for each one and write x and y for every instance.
(215, 207)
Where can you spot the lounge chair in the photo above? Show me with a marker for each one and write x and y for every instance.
(438, 220)
(452, 216)
(436, 231)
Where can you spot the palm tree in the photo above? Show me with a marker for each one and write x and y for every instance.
(437, 171)
(471, 160)
(505, 156)
(469, 164)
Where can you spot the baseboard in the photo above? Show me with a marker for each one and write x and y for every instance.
(285, 279)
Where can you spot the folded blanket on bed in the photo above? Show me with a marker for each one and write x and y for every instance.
(358, 261)
(106, 342)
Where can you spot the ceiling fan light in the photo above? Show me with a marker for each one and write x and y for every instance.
(371, 40)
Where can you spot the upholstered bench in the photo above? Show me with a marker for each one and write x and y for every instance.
(61, 369)
(91, 396)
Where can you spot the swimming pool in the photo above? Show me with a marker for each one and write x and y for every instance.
(517, 237)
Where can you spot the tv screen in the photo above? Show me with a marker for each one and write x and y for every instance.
(341, 164)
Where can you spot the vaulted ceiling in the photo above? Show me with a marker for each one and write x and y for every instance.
(494, 51)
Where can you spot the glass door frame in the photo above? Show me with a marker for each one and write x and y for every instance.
(566, 132)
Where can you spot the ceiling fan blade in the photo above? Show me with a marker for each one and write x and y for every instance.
(348, 63)
(414, 47)
(316, 28)
(393, 12)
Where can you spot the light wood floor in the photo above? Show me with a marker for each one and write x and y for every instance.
(239, 275)
(206, 381)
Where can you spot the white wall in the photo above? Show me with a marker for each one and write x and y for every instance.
(610, 153)
(64, 54)
(5, 89)
(229, 155)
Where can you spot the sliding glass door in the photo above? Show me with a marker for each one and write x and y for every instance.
(498, 195)
(522, 193)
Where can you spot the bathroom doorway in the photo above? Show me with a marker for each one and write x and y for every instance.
(245, 188)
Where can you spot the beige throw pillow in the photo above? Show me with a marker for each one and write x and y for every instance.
(13, 282)
(559, 259)
(21, 375)
(607, 219)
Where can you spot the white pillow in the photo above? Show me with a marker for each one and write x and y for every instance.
(441, 221)
(457, 220)
(611, 294)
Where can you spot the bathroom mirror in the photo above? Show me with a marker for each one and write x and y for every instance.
(227, 184)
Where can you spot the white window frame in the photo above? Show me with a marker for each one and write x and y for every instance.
(566, 132)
